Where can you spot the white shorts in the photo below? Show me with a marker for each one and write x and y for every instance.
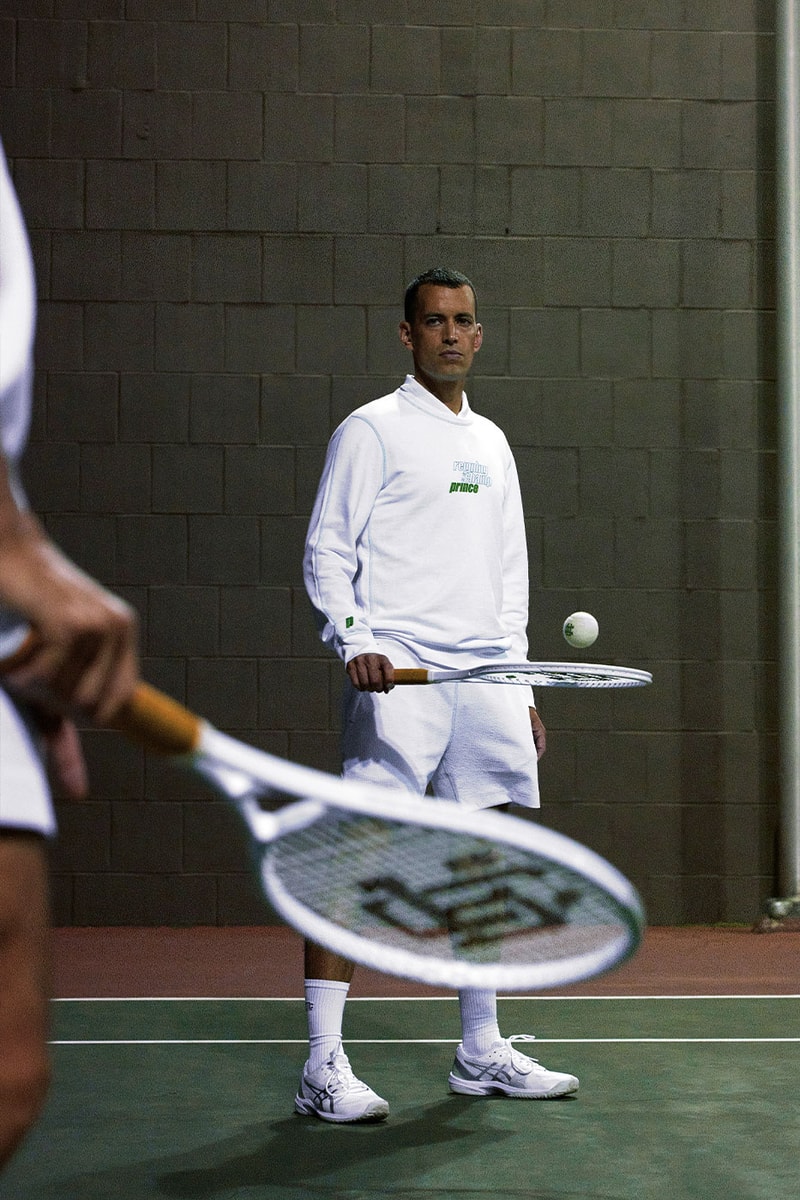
(24, 791)
(472, 742)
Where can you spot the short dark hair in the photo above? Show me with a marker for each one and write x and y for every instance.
(439, 277)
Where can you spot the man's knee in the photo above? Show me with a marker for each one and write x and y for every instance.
(24, 1081)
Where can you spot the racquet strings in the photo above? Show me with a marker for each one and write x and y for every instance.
(447, 896)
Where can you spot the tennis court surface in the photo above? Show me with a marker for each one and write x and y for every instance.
(177, 1055)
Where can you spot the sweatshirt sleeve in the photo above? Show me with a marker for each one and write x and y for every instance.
(515, 566)
(351, 480)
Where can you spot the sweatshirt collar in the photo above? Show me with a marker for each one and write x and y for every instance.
(420, 397)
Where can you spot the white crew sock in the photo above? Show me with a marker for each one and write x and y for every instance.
(325, 1012)
(479, 1028)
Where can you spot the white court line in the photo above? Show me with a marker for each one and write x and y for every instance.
(401, 999)
(621, 1041)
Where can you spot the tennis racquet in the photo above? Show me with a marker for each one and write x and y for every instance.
(411, 887)
(538, 674)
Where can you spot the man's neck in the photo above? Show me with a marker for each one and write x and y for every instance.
(450, 394)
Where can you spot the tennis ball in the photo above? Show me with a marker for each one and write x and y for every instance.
(581, 629)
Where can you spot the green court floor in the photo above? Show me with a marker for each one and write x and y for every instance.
(192, 1099)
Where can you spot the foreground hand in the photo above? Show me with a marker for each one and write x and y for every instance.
(371, 673)
(539, 733)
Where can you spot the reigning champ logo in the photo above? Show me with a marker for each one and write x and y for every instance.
(474, 475)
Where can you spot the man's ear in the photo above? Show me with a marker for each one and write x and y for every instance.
(405, 335)
(478, 337)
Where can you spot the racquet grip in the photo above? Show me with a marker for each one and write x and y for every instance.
(411, 675)
(159, 722)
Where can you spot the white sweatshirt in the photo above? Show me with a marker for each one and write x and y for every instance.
(417, 535)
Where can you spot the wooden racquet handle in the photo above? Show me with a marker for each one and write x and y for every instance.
(411, 675)
(150, 717)
(159, 722)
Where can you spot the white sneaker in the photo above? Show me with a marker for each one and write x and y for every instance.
(333, 1093)
(508, 1072)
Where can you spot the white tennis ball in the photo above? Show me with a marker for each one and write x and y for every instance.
(581, 629)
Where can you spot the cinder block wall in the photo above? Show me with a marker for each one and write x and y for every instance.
(226, 199)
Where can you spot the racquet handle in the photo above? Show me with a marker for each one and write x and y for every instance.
(411, 675)
(150, 717)
(158, 722)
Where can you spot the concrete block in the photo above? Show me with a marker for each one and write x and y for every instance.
(334, 58)
(122, 54)
(333, 198)
(440, 129)
(492, 200)
(647, 131)
(298, 270)
(156, 266)
(255, 621)
(26, 121)
(368, 270)
(370, 129)
(151, 549)
(646, 272)
(51, 54)
(295, 409)
(50, 193)
(687, 343)
(686, 64)
(331, 338)
(224, 408)
(476, 62)
(546, 62)
(717, 274)
(298, 128)
(85, 266)
(259, 338)
(119, 336)
(545, 342)
(509, 129)
(616, 62)
(578, 552)
(188, 479)
(81, 407)
(282, 544)
(748, 66)
(227, 125)
(616, 202)
(157, 125)
(153, 407)
(262, 197)
(615, 343)
(456, 207)
(263, 57)
(226, 267)
(548, 480)
(115, 478)
(403, 199)
(88, 540)
(648, 554)
(303, 688)
(191, 196)
(546, 200)
(120, 195)
(578, 132)
(406, 61)
(723, 135)
(190, 337)
(647, 413)
(259, 480)
(575, 412)
(686, 203)
(576, 271)
(224, 550)
(183, 620)
(59, 337)
(87, 124)
(192, 55)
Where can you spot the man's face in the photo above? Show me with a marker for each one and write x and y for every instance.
(444, 335)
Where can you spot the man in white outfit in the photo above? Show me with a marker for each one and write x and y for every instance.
(84, 660)
(416, 556)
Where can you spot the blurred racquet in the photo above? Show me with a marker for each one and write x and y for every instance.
(536, 674)
(408, 886)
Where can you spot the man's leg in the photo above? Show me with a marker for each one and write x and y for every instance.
(24, 985)
(328, 1088)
